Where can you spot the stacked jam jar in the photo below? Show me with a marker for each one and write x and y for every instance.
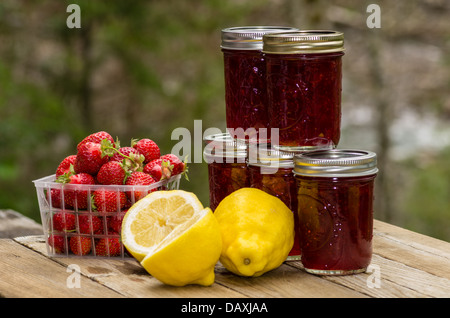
(283, 113)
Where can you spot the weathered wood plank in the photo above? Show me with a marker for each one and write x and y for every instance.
(410, 265)
(14, 224)
(412, 249)
(128, 277)
(26, 274)
(286, 282)
(396, 280)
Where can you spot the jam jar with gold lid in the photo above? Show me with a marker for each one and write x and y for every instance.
(304, 83)
(227, 166)
(335, 209)
(245, 79)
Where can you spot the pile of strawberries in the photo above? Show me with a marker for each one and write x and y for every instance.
(98, 184)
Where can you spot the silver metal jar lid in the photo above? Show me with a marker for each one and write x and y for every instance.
(266, 156)
(248, 37)
(336, 163)
(223, 146)
(303, 42)
(223, 137)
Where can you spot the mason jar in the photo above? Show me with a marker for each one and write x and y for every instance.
(227, 166)
(270, 170)
(304, 83)
(245, 79)
(335, 209)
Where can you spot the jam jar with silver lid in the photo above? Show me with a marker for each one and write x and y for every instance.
(270, 170)
(227, 166)
(335, 209)
(245, 79)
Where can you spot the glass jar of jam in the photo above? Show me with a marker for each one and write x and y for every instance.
(335, 210)
(227, 166)
(304, 75)
(271, 171)
(245, 79)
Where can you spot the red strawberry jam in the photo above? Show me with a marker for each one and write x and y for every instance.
(335, 210)
(271, 171)
(245, 77)
(304, 74)
(227, 167)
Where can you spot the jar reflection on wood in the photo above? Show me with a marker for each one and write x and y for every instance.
(227, 166)
(270, 170)
(245, 77)
(335, 210)
(304, 75)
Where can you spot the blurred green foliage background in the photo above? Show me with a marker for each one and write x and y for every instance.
(140, 69)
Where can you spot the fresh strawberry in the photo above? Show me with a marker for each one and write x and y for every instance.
(178, 165)
(76, 198)
(129, 157)
(124, 152)
(58, 243)
(90, 158)
(108, 246)
(54, 198)
(148, 148)
(115, 222)
(159, 169)
(96, 138)
(63, 221)
(106, 201)
(111, 172)
(89, 224)
(64, 166)
(139, 178)
(80, 245)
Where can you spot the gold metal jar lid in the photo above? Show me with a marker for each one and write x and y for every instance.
(303, 42)
(336, 163)
(248, 37)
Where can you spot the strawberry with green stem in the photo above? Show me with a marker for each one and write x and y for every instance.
(64, 166)
(139, 178)
(159, 169)
(132, 159)
(90, 158)
(112, 172)
(75, 198)
(147, 147)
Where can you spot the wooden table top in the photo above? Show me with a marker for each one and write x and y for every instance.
(405, 264)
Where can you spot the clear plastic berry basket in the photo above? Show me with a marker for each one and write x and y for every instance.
(90, 227)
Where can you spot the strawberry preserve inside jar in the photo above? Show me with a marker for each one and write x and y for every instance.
(304, 75)
(227, 166)
(335, 210)
(270, 170)
(245, 79)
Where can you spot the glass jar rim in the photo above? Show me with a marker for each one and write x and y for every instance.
(303, 42)
(248, 37)
(336, 163)
(224, 146)
(268, 156)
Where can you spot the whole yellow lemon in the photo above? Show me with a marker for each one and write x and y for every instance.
(257, 231)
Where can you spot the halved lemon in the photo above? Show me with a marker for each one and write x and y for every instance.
(188, 255)
(151, 219)
(176, 240)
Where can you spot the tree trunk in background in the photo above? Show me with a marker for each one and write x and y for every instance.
(86, 75)
(383, 202)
